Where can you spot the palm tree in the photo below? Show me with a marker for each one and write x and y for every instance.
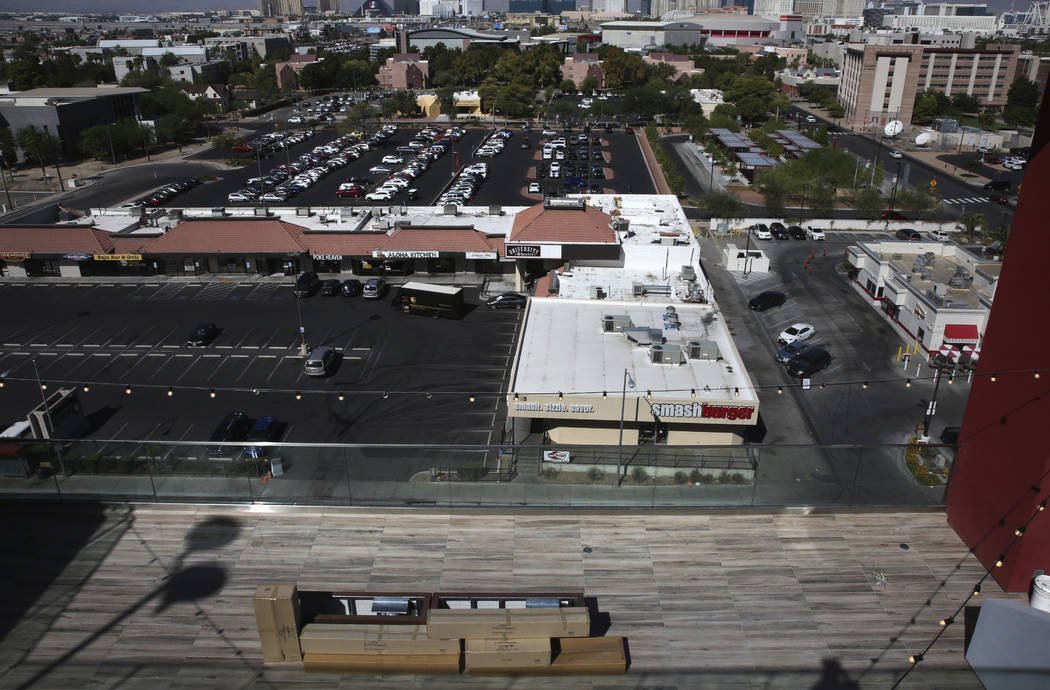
(37, 144)
(971, 222)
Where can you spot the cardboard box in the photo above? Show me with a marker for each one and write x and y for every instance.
(286, 613)
(524, 623)
(403, 664)
(265, 619)
(590, 656)
(582, 656)
(508, 652)
(372, 639)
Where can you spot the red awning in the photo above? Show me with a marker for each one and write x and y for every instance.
(960, 333)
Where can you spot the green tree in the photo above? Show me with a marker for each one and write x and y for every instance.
(567, 86)
(917, 202)
(724, 117)
(754, 97)
(965, 103)
(1022, 102)
(868, 203)
(821, 199)
(447, 98)
(724, 205)
(774, 188)
(562, 108)
(8, 153)
(925, 110)
(589, 83)
(39, 145)
(972, 222)
(360, 116)
(836, 110)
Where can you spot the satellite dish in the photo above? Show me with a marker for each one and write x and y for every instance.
(893, 128)
(923, 139)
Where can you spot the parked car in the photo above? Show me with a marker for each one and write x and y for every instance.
(507, 300)
(232, 428)
(797, 331)
(534, 188)
(893, 215)
(767, 300)
(306, 284)
(909, 234)
(330, 288)
(321, 361)
(997, 185)
(815, 233)
(791, 351)
(202, 335)
(809, 362)
(810, 119)
(778, 231)
(265, 429)
(762, 231)
(351, 287)
(374, 288)
(796, 232)
(940, 235)
(895, 154)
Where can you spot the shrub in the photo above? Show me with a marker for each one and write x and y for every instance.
(469, 471)
(737, 478)
(639, 475)
(695, 476)
(595, 474)
(549, 473)
(680, 477)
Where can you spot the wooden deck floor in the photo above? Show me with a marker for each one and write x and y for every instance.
(160, 597)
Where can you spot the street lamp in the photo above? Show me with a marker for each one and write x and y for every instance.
(303, 349)
(747, 254)
(896, 178)
(627, 381)
(931, 407)
(47, 415)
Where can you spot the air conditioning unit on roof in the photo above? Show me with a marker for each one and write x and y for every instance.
(615, 323)
(703, 349)
(666, 354)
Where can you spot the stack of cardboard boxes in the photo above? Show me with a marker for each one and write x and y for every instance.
(488, 634)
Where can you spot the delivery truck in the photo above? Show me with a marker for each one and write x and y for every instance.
(436, 301)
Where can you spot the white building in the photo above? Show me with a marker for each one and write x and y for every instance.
(940, 23)
(931, 292)
(774, 8)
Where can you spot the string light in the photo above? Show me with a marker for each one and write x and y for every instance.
(127, 391)
(907, 383)
(1, 383)
(692, 391)
(1019, 531)
(780, 390)
(999, 561)
(951, 378)
(515, 397)
(86, 388)
(429, 395)
(994, 377)
(648, 395)
(560, 396)
(945, 622)
(916, 658)
(977, 589)
(255, 391)
(211, 393)
(822, 386)
(298, 395)
(605, 395)
(1042, 506)
(340, 397)
(171, 391)
(43, 386)
(386, 395)
(472, 398)
(865, 385)
(1037, 373)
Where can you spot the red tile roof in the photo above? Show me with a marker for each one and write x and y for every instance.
(443, 240)
(562, 226)
(129, 244)
(55, 239)
(230, 237)
(344, 244)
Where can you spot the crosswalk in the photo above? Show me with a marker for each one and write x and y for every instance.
(967, 200)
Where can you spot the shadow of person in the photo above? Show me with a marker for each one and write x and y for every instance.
(834, 677)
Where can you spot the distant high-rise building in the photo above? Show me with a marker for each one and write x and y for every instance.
(773, 8)
(328, 6)
(281, 8)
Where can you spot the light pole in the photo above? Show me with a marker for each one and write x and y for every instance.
(627, 380)
(747, 254)
(10, 205)
(304, 350)
(47, 415)
(893, 194)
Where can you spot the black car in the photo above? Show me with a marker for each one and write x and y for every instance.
(264, 429)
(809, 362)
(997, 185)
(352, 287)
(908, 234)
(232, 428)
(507, 300)
(306, 284)
(778, 231)
(792, 350)
(796, 232)
(767, 300)
(330, 288)
(202, 335)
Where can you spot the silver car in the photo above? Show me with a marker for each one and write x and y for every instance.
(320, 362)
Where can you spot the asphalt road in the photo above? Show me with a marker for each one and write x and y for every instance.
(405, 379)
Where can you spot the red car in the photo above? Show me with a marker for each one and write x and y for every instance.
(999, 199)
(892, 215)
(350, 191)
(244, 148)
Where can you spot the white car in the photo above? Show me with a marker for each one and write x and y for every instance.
(380, 170)
(762, 232)
(295, 120)
(379, 195)
(795, 332)
(810, 118)
(534, 188)
(895, 154)
(940, 235)
(396, 160)
(814, 233)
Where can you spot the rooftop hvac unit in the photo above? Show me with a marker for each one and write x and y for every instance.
(495, 210)
(615, 323)
(644, 336)
(666, 354)
(450, 210)
(216, 212)
(703, 349)
(641, 289)
(688, 273)
(303, 211)
(597, 292)
(261, 211)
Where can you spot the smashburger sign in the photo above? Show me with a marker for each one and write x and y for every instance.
(701, 411)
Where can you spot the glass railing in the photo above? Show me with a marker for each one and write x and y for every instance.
(473, 476)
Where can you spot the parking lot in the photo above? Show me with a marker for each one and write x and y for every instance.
(404, 379)
(837, 408)
(511, 171)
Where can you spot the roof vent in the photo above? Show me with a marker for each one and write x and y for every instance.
(564, 204)
(451, 210)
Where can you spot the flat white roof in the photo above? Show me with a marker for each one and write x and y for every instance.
(564, 349)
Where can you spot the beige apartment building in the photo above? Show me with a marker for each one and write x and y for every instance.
(404, 72)
(578, 67)
(879, 83)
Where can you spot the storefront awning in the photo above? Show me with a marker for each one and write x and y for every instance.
(961, 333)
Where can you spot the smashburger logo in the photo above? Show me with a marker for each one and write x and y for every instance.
(701, 411)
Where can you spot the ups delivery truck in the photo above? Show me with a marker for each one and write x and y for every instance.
(430, 300)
